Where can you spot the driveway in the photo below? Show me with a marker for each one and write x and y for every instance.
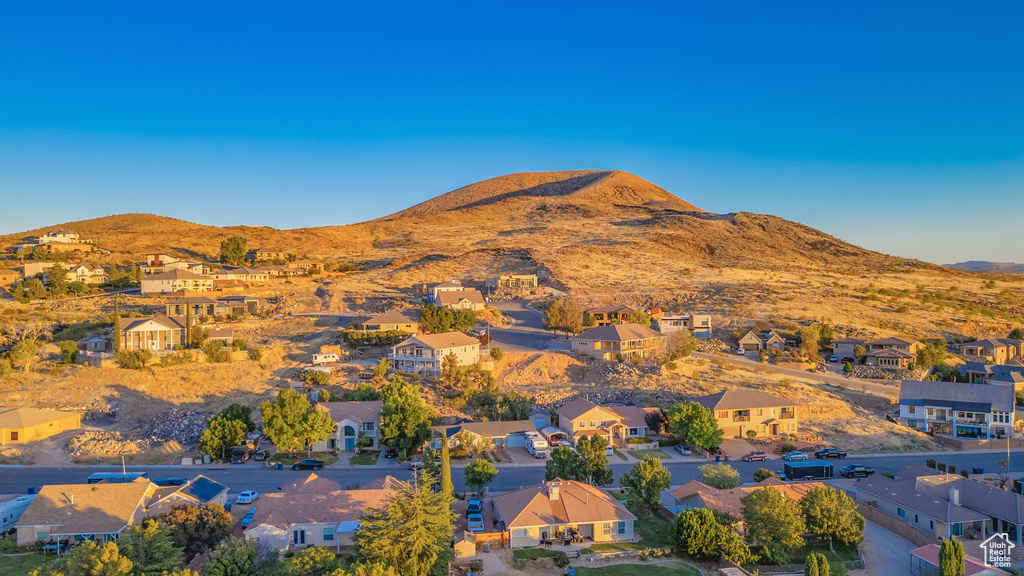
(884, 553)
(526, 333)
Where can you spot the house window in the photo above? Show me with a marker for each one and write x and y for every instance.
(369, 426)
(14, 436)
(582, 424)
(593, 424)
(901, 513)
(958, 529)
(634, 431)
(912, 423)
(606, 529)
(911, 409)
(931, 524)
(758, 411)
(916, 520)
(42, 535)
(328, 534)
(622, 527)
(723, 414)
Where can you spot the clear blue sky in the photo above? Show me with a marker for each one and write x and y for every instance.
(898, 126)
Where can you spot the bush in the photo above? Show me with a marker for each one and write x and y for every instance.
(941, 467)
(215, 352)
(930, 463)
(219, 318)
(762, 474)
(459, 453)
(357, 338)
(134, 359)
(239, 344)
(69, 350)
(889, 475)
(316, 377)
(964, 473)
(497, 353)
(256, 353)
(787, 446)
(951, 469)
(751, 434)
(561, 559)
(633, 440)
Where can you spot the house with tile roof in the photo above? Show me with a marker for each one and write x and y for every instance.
(395, 319)
(762, 337)
(352, 420)
(425, 353)
(889, 358)
(695, 494)
(493, 434)
(67, 513)
(742, 410)
(893, 343)
(844, 347)
(993, 351)
(199, 491)
(21, 425)
(617, 424)
(933, 504)
(156, 333)
(547, 510)
(433, 291)
(924, 561)
(620, 341)
(175, 281)
(462, 300)
(314, 484)
(957, 409)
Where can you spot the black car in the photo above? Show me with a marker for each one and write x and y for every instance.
(390, 453)
(855, 470)
(308, 464)
(830, 453)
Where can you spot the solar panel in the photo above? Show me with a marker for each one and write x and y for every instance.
(203, 489)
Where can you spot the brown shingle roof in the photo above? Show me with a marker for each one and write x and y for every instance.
(889, 353)
(362, 411)
(176, 275)
(891, 341)
(740, 399)
(619, 333)
(313, 484)
(26, 417)
(86, 508)
(454, 297)
(575, 408)
(575, 503)
(443, 340)
(282, 509)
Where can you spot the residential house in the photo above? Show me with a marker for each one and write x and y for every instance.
(889, 358)
(620, 341)
(487, 434)
(545, 511)
(66, 247)
(241, 273)
(309, 266)
(740, 411)
(893, 343)
(461, 300)
(395, 319)
(23, 425)
(156, 333)
(225, 335)
(65, 236)
(695, 494)
(199, 491)
(299, 519)
(992, 373)
(924, 561)
(68, 513)
(258, 254)
(87, 273)
(226, 305)
(435, 290)
(175, 281)
(957, 409)
(932, 504)
(992, 351)
(97, 344)
(200, 268)
(844, 347)
(157, 263)
(512, 281)
(33, 268)
(608, 315)
(8, 277)
(352, 419)
(617, 424)
(425, 353)
(762, 337)
(314, 484)
(698, 324)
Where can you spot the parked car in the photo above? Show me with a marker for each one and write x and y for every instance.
(848, 359)
(609, 451)
(682, 449)
(750, 457)
(248, 517)
(416, 465)
(833, 358)
(794, 455)
(830, 453)
(474, 506)
(247, 497)
(261, 455)
(390, 453)
(475, 523)
(851, 470)
(308, 464)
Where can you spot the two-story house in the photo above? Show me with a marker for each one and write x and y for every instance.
(175, 281)
(608, 315)
(891, 352)
(617, 424)
(957, 409)
(978, 373)
(461, 300)
(698, 324)
(762, 337)
(846, 347)
(352, 418)
(395, 319)
(200, 306)
(259, 254)
(511, 281)
(425, 353)
(87, 273)
(432, 291)
(156, 333)
(992, 351)
(245, 274)
(620, 341)
(65, 236)
(157, 263)
(741, 411)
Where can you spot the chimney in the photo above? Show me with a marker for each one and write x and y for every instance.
(553, 491)
(954, 496)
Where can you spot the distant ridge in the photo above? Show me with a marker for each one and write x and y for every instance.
(985, 267)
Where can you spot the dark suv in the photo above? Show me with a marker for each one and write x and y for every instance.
(308, 464)
(830, 453)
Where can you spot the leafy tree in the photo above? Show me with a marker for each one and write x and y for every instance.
(291, 422)
(832, 515)
(315, 561)
(564, 314)
(88, 559)
(640, 317)
(680, 345)
(437, 320)
(34, 289)
(809, 337)
(773, 518)
(361, 393)
(382, 367)
(696, 533)
(931, 354)
(239, 412)
(655, 421)
(195, 529)
(69, 350)
(567, 464)
(58, 276)
(816, 565)
(134, 359)
(721, 476)
(762, 474)
(221, 434)
(1016, 334)
(452, 374)
(497, 353)
(117, 276)
(594, 452)
(446, 468)
(860, 353)
(405, 416)
(26, 351)
(240, 557)
(480, 473)
(315, 377)
(694, 425)
(135, 274)
(951, 558)
(232, 250)
(645, 482)
(150, 547)
(409, 531)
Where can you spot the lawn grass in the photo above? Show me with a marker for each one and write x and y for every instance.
(641, 454)
(23, 564)
(365, 459)
(527, 553)
(652, 529)
(287, 460)
(663, 569)
(621, 455)
(618, 496)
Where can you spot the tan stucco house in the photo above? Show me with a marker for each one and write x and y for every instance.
(461, 300)
(620, 341)
(740, 411)
(992, 351)
(762, 337)
(395, 319)
(21, 425)
(175, 281)
(157, 333)
(351, 418)
(97, 512)
(617, 424)
(425, 353)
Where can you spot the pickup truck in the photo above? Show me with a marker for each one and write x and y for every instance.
(830, 453)
(856, 470)
(308, 464)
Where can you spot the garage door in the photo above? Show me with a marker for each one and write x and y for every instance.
(515, 440)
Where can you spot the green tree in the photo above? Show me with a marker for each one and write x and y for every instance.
(697, 533)
(497, 353)
(645, 482)
(564, 314)
(594, 452)
(240, 557)
(232, 250)
(69, 351)
(315, 377)
(694, 425)
(134, 359)
(860, 353)
(847, 368)
(640, 317)
(135, 274)
(58, 276)
(382, 367)
(33, 288)
(721, 476)
(762, 474)
(195, 529)
(809, 337)
(680, 345)
(1016, 334)
(315, 561)
(117, 324)
(291, 422)
(405, 416)
(25, 351)
(150, 547)
(772, 517)
(221, 435)
(832, 515)
(88, 559)
(567, 464)
(480, 473)
(446, 468)
(514, 406)
(951, 558)
(239, 412)
(361, 393)
(811, 565)
(409, 531)
(117, 276)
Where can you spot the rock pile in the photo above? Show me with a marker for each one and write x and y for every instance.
(711, 345)
(105, 444)
(879, 373)
(623, 369)
(176, 424)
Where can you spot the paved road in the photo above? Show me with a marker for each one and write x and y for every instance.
(859, 384)
(526, 333)
(17, 479)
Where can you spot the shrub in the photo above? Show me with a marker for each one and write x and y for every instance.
(70, 351)
(964, 473)
(751, 434)
(941, 467)
(239, 344)
(459, 453)
(134, 359)
(788, 446)
(634, 440)
(951, 469)
(497, 353)
(219, 318)
(256, 353)
(762, 474)
(317, 377)
(930, 463)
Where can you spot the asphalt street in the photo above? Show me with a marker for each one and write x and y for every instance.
(526, 333)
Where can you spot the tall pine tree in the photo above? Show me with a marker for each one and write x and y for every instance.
(951, 558)
(447, 487)
(117, 325)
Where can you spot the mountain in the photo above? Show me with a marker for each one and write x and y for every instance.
(588, 229)
(988, 267)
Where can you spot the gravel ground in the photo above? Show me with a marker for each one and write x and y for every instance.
(885, 553)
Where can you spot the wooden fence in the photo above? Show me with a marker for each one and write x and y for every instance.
(895, 525)
(496, 539)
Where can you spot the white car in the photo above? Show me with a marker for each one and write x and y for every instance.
(247, 497)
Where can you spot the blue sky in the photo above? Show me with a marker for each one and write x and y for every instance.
(889, 125)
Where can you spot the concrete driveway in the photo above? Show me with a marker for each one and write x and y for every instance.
(526, 333)
(884, 553)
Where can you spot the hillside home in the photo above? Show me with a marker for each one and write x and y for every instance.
(156, 333)
(69, 513)
(175, 281)
(608, 315)
(889, 358)
(65, 236)
(97, 344)
(957, 409)
(694, 494)
(241, 273)
(199, 491)
(620, 341)
(33, 268)
(158, 263)
(844, 347)
(738, 412)
(226, 305)
(901, 344)
(992, 373)
(352, 419)
(66, 247)
(511, 281)
(87, 273)
(992, 351)
(425, 353)
(762, 337)
(617, 424)
(698, 324)
(461, 300)
(200, 268)
(395, 319)
(432, 291)
(494, 434)
(23, 425)
(257, 254)
(547, 511)
(8, 277)
(306, 265)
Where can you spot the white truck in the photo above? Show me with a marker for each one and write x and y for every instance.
(536, 445)
(10, 510)
(319, 359)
